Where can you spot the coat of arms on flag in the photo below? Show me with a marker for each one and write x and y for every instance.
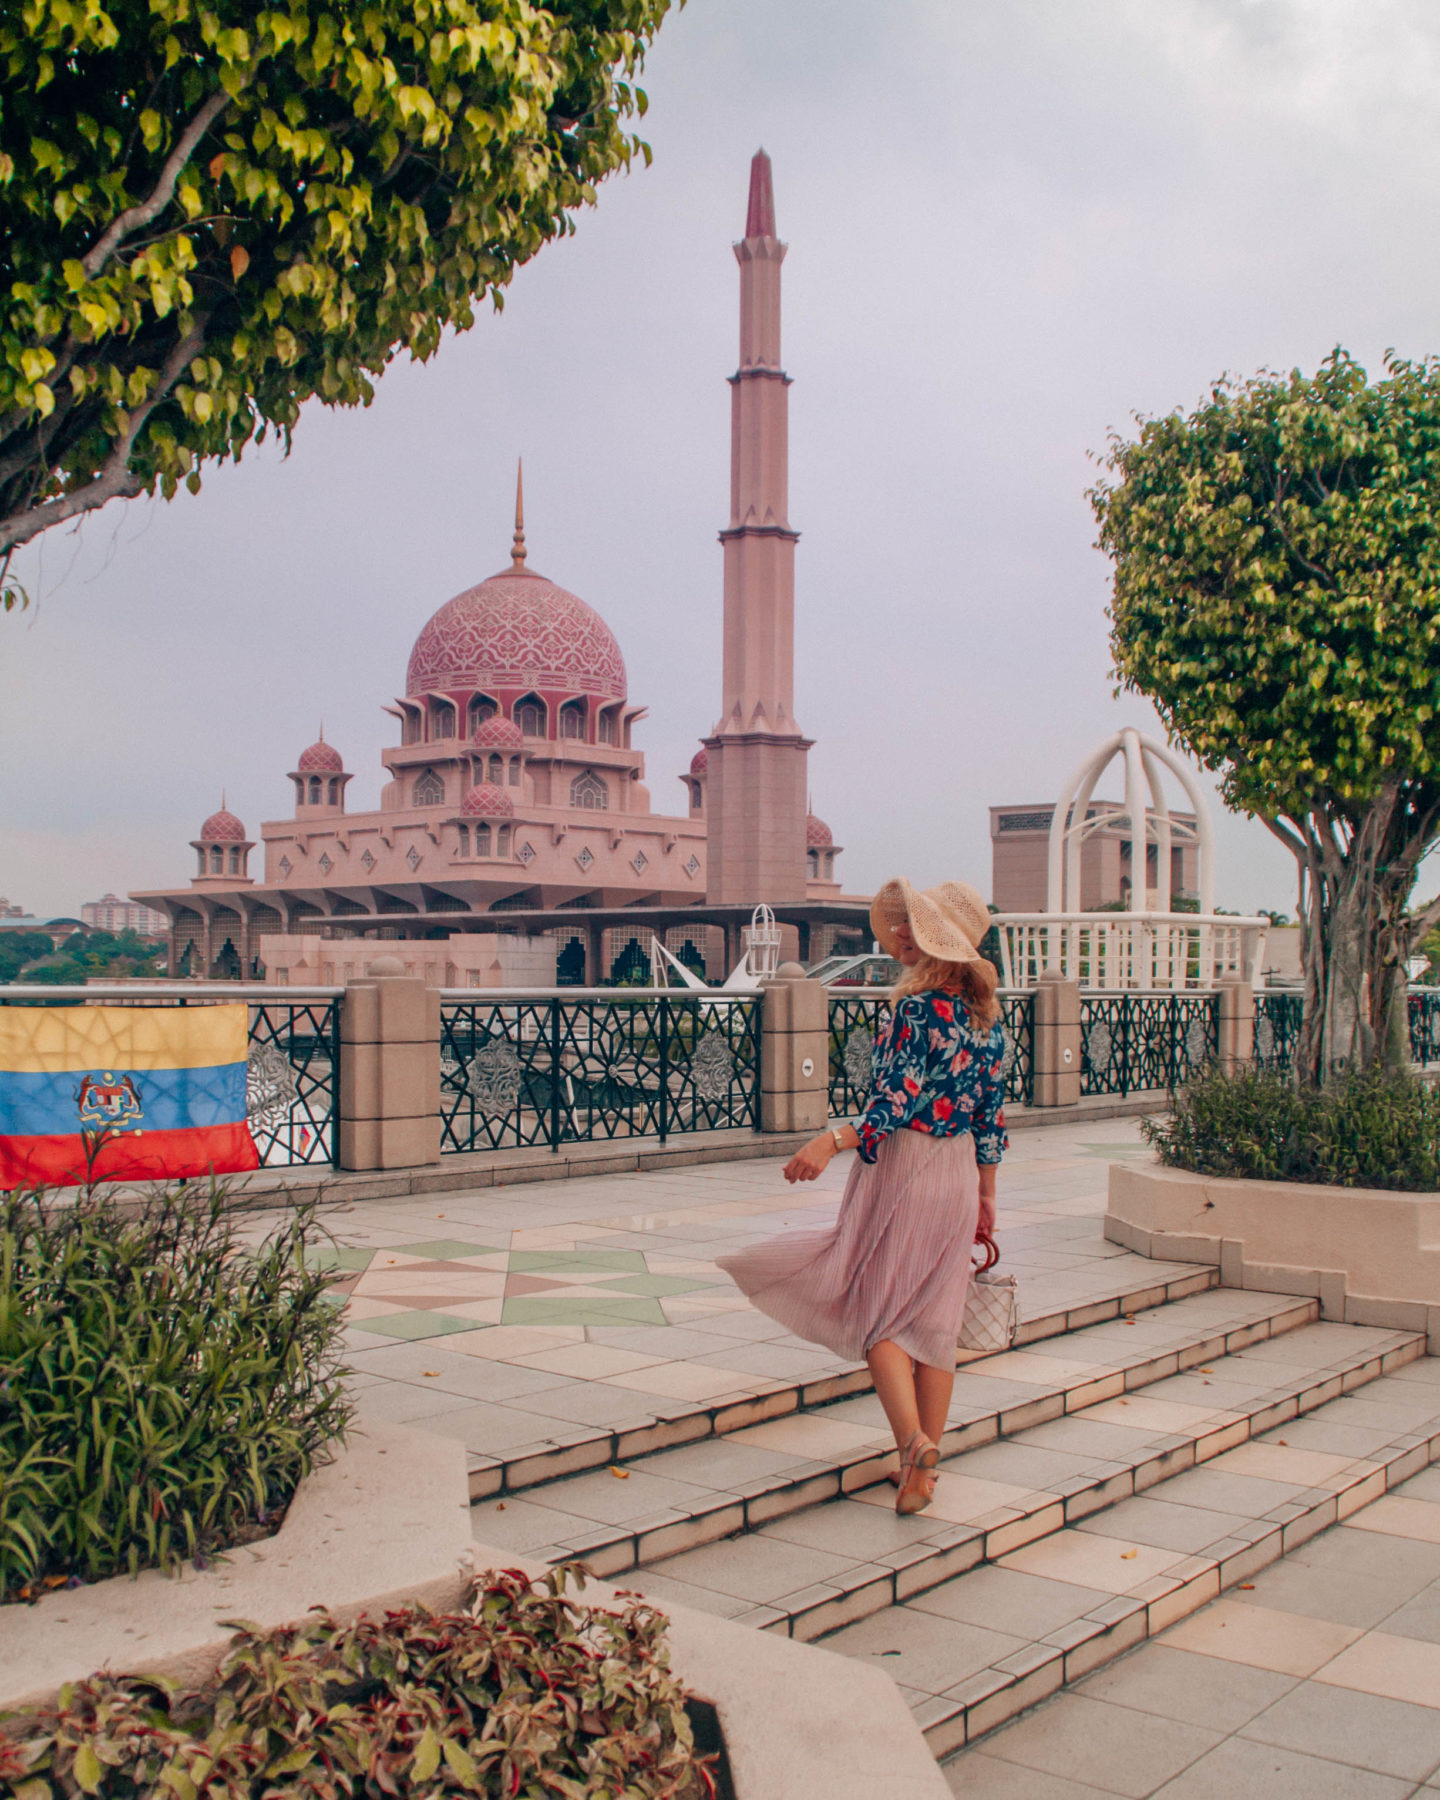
(122, 1093)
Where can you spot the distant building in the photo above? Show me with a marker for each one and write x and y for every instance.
(110, 913)
(1019, 859)
(7, 911)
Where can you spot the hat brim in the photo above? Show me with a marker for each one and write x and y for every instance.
(898, 903)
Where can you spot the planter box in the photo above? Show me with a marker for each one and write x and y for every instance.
(1370, 1256)
(388, 1522)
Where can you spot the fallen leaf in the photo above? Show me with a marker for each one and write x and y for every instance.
(429, 1374)
(1128, 1555)
(1124, 1402)
(499, 1506)
(1248, 1585)
(1283, 1442)
(620, 1474)
(1207, 1371)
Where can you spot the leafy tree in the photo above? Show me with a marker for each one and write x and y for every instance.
(212, 211)
(17, 948)
(1277, 596)
(86, 957)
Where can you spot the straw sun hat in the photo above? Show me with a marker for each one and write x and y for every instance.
(949, 921)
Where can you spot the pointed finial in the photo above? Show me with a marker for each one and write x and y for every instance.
(517, 548)
(760, 216)
(322, 731)
(223, 806)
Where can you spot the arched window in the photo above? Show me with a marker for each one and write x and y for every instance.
(514, 771)
(813, 858)
(482, 840)
(572, 719)
(201, 869)
(502, 841)
(409, 726)
(235, 868)
(314, 790)
(530, 717)
(589, 791)
(429, 790)
(217, 860)
(481, 709)
(497, 769)
(607, 732)
(463, 831)
(334, 791)
(442, 719)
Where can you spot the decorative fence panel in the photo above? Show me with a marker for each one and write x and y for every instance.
(854, 1020)
(1277, 1030)
(1130, 1042)
(1425, 1026)
(520, 1072)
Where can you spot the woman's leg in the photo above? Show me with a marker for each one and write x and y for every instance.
(933, 1388)
(893, 1373)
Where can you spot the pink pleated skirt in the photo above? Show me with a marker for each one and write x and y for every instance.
(895, 1264)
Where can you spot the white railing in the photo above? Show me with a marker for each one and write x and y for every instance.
(1126, 951)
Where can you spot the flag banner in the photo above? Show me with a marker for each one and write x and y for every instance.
(122, 1093)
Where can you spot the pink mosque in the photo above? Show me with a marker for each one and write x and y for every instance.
(516, 788)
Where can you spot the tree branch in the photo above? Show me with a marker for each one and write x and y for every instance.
(114, 479)
(95, 259)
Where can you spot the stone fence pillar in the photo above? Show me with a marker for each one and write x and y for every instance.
(795, 1052)
(1056, 1046)
(389, 1070)
(1237, 1024)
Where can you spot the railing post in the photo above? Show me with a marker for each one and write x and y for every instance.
(664, 1120)
(555, 1075)
(795, 1052)
(389, 1099)
(1055, 1046)
(1237, 1024)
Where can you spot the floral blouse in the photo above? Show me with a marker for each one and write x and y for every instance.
(935, 1073)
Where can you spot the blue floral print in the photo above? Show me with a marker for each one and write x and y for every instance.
(936, 1074)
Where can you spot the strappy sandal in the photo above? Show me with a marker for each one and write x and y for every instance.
(917, 1475)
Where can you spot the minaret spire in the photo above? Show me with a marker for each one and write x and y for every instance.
(517, 548)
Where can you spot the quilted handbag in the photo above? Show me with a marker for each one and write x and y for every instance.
(992, 1307)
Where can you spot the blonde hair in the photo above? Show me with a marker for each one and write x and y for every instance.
(973, 983)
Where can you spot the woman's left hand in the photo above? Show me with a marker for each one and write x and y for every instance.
(811, 1160)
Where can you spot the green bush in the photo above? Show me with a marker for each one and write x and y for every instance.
(1378, 1129)
(162, 1390)
(523, 1693)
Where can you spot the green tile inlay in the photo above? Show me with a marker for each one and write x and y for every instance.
(335, 1256)
(529, 1262)
(540, 1309)
(444, 1249)
(416, 1325)
(656, 1285)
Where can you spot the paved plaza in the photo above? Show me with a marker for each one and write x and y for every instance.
(618, 1399)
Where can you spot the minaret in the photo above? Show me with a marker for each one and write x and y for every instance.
(755, 804)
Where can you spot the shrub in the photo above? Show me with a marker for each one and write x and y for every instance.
(162, 1390)
(523, 1693)
(1377, 1129)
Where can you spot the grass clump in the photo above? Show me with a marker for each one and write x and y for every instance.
(1377, 1129)
(162, 1389)
(523, 1692)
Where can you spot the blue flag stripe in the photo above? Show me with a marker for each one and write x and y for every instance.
(33, 1105)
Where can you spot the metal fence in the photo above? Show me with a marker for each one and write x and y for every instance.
(594, 1064)
(292, 1068)
(1277, 1030)
(1135, 1041)
(855, 1018)
(1425, 1026)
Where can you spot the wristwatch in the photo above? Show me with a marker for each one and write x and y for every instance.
(835, 1131)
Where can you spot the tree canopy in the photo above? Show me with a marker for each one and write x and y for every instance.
(1277, 597)
(211, 210)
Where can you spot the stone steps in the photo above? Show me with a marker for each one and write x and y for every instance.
(673, 1424)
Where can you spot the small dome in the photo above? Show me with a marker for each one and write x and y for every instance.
(700, 761)
(320, 757)
(818, 835)
(499, 733)
(222, 828)
(486, 801)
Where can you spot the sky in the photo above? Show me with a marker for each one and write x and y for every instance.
(1013, 227)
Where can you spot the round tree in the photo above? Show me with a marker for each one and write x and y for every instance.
(212, 212)
(1277, 597)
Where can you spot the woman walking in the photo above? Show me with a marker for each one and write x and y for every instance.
(888, 1280)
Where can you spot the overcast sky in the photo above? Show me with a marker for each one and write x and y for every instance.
(1012, 225)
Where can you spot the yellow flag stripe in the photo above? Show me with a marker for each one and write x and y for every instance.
(57, 1040)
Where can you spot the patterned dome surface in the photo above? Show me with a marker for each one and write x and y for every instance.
(222, 828)
(700, 761)
(517, 630)
(486, 801)
(818, 835)
(499, 733)
(320, 755)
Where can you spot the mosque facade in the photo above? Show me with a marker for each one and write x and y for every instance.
(517, 787)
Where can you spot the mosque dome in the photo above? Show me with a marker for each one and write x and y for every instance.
(700, 761)
(222, 828)
(818, 835)
(516, 631)
(499, 733)
(486, 801)
(321, 758)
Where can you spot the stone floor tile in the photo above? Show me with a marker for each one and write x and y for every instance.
(847, 1528)
(1241, 1769)
(961, 1499)
(1080, 1435)
(584, 1362)
(588, 1403)
(1200, 1690)
(602, 1497)
(1403, 1561)
(1029, 1605)
(1399, 1668)
(1370, 1731)
(1036, 1367)
(1089, 1561)
(1400, 1515)
(1141, 1413)
(922, 1650)
(806, 1434)
(778, 1361)
(1425, 1485)
(1105, 1746)
(719, 1462)
(407, 1403)
(1417, 1618)
(663, 1589)
(684, 1381)
(493, 1430)
(1144, 1520)
(1220, 1491)
(1319, 1592)
(516, 1523)
(1017, 1465)
(1285, 1643)
(754, 1568)
(976, 1775)
(1276, 1462)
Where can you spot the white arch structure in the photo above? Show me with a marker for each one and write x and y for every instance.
(1143, 758)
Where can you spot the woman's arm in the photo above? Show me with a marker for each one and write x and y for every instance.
(813, 1159)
